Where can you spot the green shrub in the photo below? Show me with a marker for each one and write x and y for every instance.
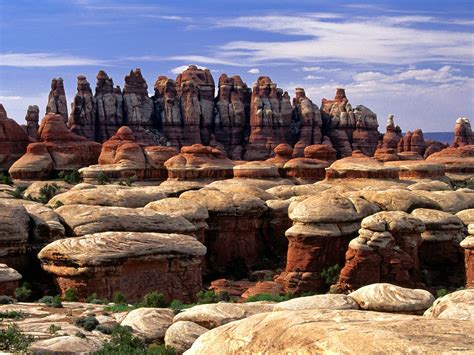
(331, 274)
(58, 204)
(7, 300)
(72, 177)
(441, 292)
(50, 301)
(102, 179)
(119, 298)
(94, 299)
(47, 192)
(204, 297)
(124, 342)
(154, 300)
(80, 335)
(119, 308)
(53, 328)
(88, 323)
(11, 314)
(71, 295)
(18, 192)
(24, 292)
(104, 329)
(12, 340)
(270, 297)
(177, 305)
(5, 179)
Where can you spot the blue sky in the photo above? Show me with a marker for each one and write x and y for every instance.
(414, 59)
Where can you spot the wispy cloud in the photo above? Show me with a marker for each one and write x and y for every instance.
(313, 77)
(180, 69)
(253, 71)
(45, 60)
(10, 98)
(376, 40)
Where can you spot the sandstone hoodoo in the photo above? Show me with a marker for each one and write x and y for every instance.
(124, 156)
(32, 119)
(57, 99)
(57, 149)
(468, 245)
(463, 132)
(13, 140)
(318, 239)
(9, 280)
(132, 263)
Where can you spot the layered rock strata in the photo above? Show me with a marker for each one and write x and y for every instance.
(310, 121)
(130, 262)
(468, 245)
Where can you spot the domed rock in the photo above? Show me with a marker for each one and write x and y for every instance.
(57, 149)
(463, 132)
(456, 305)
(149, 324)
(130, 262)
(182, 334)
(9, 280)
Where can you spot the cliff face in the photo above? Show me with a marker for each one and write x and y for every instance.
(242, 122)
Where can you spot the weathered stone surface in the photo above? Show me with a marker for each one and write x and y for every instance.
(456, 160)
(45, 225)
(137, 106)
(466, 216)
(32, 121)
(384, 297)
(328, 301)
(430, 185)
(456, 305)
(283, 153)
(83, 119)
(182, 334)
(9, 280)
(232, 103)
(256, 170)
(349, 129)
(109, 195)
(340, 331)
(13, 140)
(418, 169)
(360, 166)
(86, 219)
(130, 262)
(468, 245)
(449, 201)
(310, 121)
(306, 170)
(68, 344)
(463, 132)
(318, 239)
(58, 149)
(270, 117)
(13, 234)
(57, 99)
(149, 323)
(199, 162)
(234, 220)
(386, 250)
(34, 190)
(214, 315)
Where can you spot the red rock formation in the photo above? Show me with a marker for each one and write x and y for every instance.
(58, 149)
(123, 156)
(57, 99)
(433, 146)
(13, 140)
(349, 128)
(32, 119)
(386, 250)
(232, 104)
(318, 239)
(463, 132)
(313, 166)
(196, 89)
(83, 120)
(413, 143)
(137, 106)
(9, 280)
(468, 245)
(456, 160)
(109, 102)
(417, 169)
(387, 151)
(320, 152)
(283, 153)
(199, 162)
(256, 170)
(132, 263)
(310, 122)
(270, 117)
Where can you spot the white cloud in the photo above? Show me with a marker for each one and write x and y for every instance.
(45, 60)
(16, 106)
(380, 40)
(254, 71)
(181, 68)
(10, 98)
(313, 77)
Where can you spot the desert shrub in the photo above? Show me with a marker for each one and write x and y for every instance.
(11, 314)
(58, 204)
(119, 308)
(154, 300)
(47, 192)
(177, 305)
(102, 179)
(123, 341)
(94, 299)
(5, 179)
(72, 177)
(88, 323)
(12, 340)
(119, 298)
(331, 274)
(441, 292)
(50, 301)
(71, 295)
(23, 293)
(104, 329)
(204, 297)
(18, 192)
(269, 297)
(53, 328)
(7, 300)
(80, 335)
